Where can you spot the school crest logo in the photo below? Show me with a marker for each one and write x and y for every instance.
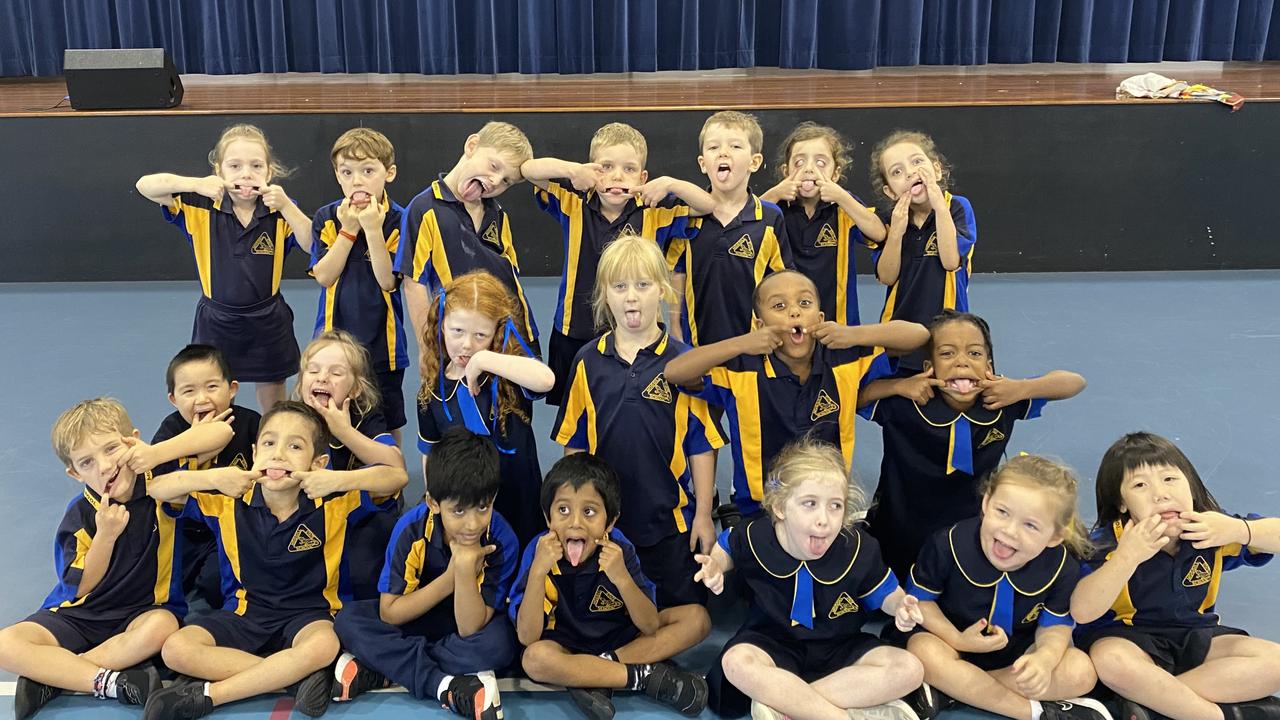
(604, 601)
(1033, 615)
(264, 245)
(491, 233)
(743, 248)
(303, 540)
(1199, 574)
(658, 390)
(628, 230)
(843, 606)
(826, 237)
(823, 406)
(240, 462)
(931, 247)
(993, 435)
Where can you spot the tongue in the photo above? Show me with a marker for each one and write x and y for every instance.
(964, 385)
(816, 546)
(632, 319)
(808, 185)
(573, 550)
(360, 198)
(722, 175)
(1002, 551)
(474, 189)
(276, 473)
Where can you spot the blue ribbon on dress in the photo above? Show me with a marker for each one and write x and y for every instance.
(802, 602)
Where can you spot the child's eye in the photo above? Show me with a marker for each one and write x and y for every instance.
(778, 306)
(589, 512)
(806, 302)
(86, 463)
(1001, 512)
(1032, 527)
(619, 287)
(821, 163)
(643, 284)
(808, 503)
(895, 172)
(482, 508)
(267, 443)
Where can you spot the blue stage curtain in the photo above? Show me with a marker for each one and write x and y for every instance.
(446, 37)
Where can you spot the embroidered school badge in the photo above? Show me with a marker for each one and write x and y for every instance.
(264, 245)
(993, 435)
(240, 462)
(628, 230)
(826, 237)
(1033, 615)
(303, 540)
(604, 601)
(931, 247)
(843, 606)
(823, 406)
(743, 248)
(658, 389)
(491, 233)
(1199, 574)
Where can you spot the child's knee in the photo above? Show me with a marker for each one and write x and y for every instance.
(319, 649)
(738, 662)
(1114, 664)
(539, 660)
(1076, 674)
(183, 648)
(693, 617)
(906, 669)
(155, 629)
(930, 650)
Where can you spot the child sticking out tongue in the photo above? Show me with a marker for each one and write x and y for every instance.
(275, 473)
(573, 550)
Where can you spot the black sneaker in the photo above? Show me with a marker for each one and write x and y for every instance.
(1268, 708)
(473, 696)
(596, 703)
(29, 696)
(728, 514)
(135, 685)
(1074, 709)
(684, 691)
(1130, 710)
(312, 695)
(352, 677)
(178, 702)
(927, 701)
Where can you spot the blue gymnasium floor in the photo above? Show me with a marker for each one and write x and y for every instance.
(1188, 355)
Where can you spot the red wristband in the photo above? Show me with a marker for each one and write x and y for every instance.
(347, 235)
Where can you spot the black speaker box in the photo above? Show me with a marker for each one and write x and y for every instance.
(121, 79)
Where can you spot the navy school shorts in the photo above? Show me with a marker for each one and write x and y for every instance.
(257, 340)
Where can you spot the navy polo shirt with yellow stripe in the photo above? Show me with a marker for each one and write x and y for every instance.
(630, 416)
(921, 488)
(439, 242)
(583, 610)
(822, 247)
(1178, 590)
(271, 568)
(355, 302)
(824, 599)
(722, 266)
(236, 453)
(768, 407)
(237, 265)
(419, 553)
(586, 231)
(372, 424)
(143, 571)
(954, 573)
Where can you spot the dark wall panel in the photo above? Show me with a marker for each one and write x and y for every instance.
(1054, 188)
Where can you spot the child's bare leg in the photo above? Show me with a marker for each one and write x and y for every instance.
(269, 393)
(143, 638)
(965, 681)
(29, 650)
(1238, 668)
(1073, 677)
(547, 661)
(1129, 671)
(881, 675)
(754, 673)
(193, 651)
(314, 646)
(679, 629)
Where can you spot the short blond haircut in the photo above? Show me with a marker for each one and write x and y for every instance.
(506, 138)
(617, 133)
(628, 256)
(805, 459)
(745, 122)
(363, 144)
(99, 415)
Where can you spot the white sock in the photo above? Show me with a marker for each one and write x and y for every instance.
(1036, 709)
(444, 686)
(206, 689)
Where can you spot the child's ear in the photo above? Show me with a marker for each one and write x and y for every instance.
(74, 476)
(928, 365)
(137, 434)
(758, 323)
(702, 165)
(469, 147)
(644, 176)
(432, 504)
(235, 387)
(888, 193)
(1058, 538)
(391, 173)
(756, 161)
(822, 317)
(609, 528)
(173, 400)
(320, 462)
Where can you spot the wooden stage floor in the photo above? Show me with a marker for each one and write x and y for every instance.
(1034, 84)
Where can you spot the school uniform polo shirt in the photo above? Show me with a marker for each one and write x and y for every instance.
(954, 573)
(142, 571)
(822, 247)
(372, 424)
(630, 416)
(439, 242)
(722, 266)
(237, 265)
(1178, 590)
(418, 554)
(355, 302)
(823, 599)
(924, 288)
(586, 232)
(768, 407)
(583, 607)
(271, 568)
(236, 453)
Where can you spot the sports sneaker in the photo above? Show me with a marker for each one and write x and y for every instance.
(682, 690)
(1074, 709)
(892, 710)
(1267, 708)
(473, 696)
(1130, 710)
(927, 701)
(352, 677)
(135, 685)
(596, 703)
(760, 711)
(186, 701)
(728, 514)
(29, 696)
(311, 698)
